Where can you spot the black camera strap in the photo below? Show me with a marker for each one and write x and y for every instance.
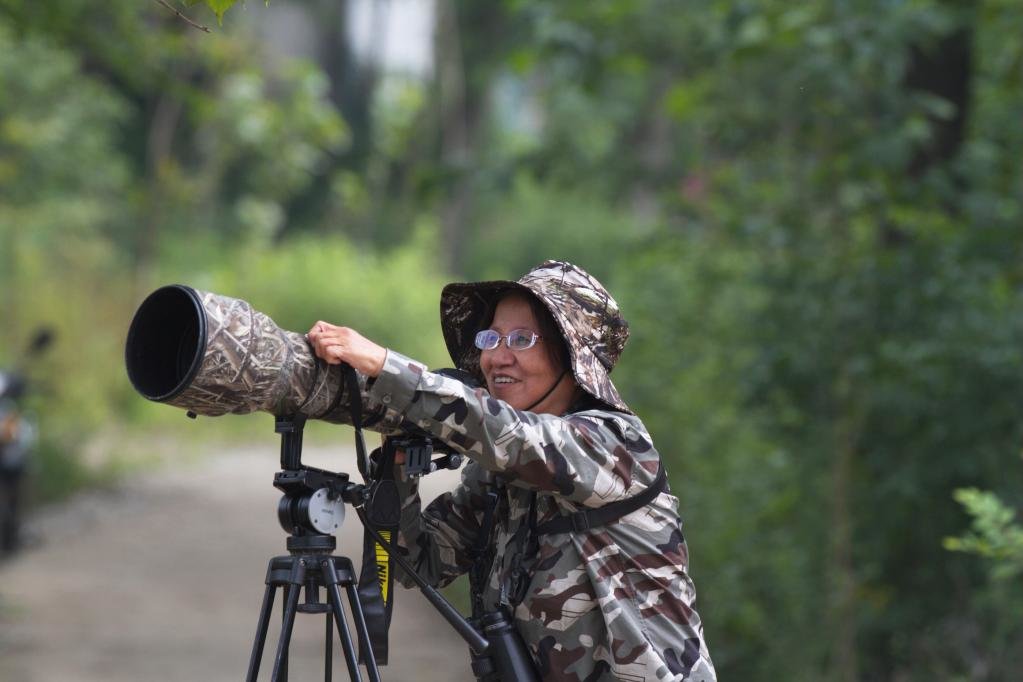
(482, 550)
(355, 409)
(582, 521)
(376, 575)
(527, 536)
(383, 511)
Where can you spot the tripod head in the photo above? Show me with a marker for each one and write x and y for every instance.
(313, 504)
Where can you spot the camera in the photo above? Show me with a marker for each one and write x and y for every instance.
(214, 355)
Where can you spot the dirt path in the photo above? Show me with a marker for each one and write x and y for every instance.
(162, 580)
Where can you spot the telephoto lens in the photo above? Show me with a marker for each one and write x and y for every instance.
(214, 355)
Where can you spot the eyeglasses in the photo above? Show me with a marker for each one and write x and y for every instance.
(516, 339)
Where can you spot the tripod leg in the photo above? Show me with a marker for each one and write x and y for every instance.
(363, 632)
(260, 641)
(330, 581)
(290, 607)
(328, 651)
(283, 670)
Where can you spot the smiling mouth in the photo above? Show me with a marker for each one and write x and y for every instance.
(502, 381)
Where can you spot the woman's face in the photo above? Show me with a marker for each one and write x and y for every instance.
(521, 377)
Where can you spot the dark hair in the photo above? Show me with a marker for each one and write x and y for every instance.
(553, 340)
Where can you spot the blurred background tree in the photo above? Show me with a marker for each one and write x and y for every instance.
(810, 213)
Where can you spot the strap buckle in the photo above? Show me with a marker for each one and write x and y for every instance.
(580, 521)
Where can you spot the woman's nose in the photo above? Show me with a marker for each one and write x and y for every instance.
(500, 356)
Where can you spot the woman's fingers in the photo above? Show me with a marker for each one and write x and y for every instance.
(335, 344)
(327, 342)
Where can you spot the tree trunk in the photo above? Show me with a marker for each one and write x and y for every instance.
(842, 569)
(159, 141)
(352, 83)
(943, 69)
(455, 150)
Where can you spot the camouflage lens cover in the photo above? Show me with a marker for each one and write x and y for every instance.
(221, 356)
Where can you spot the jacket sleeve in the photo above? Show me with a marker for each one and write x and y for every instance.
(589, 458)
(439, 539)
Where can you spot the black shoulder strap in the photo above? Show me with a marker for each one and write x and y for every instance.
(355, 409)
(582, 521)
(481, 552)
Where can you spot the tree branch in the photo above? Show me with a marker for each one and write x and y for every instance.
(183, 17)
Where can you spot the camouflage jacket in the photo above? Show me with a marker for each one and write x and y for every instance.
(611, 603)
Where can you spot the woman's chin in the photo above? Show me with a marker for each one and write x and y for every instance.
(511, 394)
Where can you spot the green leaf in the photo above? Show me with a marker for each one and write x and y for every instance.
(219, 7)
(684, 98)
(754, 31)
(994, 534)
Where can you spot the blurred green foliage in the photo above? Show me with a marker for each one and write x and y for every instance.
(994, 533)
(811, 214)
(111, 184)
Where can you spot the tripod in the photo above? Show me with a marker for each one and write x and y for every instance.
(311, 566)
(310, 510)
(308, 514)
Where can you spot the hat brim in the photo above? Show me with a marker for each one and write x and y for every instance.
(464, 308)
(463, 311)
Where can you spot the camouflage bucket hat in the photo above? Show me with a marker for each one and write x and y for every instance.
(594, 329)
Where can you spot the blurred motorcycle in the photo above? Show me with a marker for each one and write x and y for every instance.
(18, 435)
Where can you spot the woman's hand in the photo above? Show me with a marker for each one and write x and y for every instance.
(335, 345)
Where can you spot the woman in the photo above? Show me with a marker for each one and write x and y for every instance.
(586, 548)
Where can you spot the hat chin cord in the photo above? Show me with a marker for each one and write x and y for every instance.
(549, 391)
